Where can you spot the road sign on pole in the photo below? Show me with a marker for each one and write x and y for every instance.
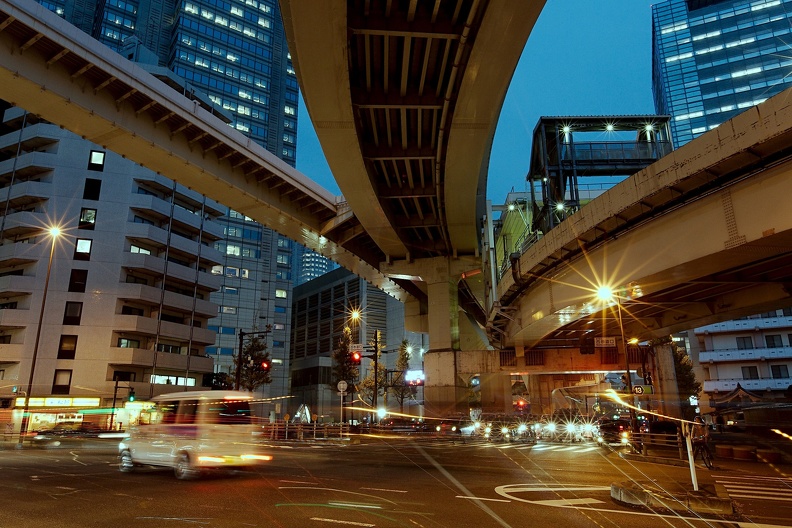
(355, 347)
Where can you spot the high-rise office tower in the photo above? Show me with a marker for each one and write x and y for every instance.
(712, 59)
(308, 265)
(235, 53)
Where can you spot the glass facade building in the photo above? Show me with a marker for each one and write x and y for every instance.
(712, 59)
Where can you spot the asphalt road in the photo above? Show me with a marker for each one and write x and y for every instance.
(380, 482)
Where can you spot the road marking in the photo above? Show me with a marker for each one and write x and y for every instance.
(481, 498)
(760, 497)
(383, 489)
(337, 521)
(568, 502)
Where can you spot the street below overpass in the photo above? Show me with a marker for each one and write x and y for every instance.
(376, 482)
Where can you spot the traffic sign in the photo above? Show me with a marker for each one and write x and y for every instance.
(342, 386)
(643, 389)
(604, 342)
(355, 347)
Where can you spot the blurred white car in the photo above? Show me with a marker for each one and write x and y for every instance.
(192, 432)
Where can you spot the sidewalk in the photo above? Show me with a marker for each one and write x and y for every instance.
(769, 454)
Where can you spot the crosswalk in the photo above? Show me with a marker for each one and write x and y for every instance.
(538, 447)
(776, 489)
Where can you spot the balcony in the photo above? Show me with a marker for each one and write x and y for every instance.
(751, 354)
(25, 223)
(13, 353)
(34, 137)
(28, 166)
(153, 264)
(139, 357)
(753, 385)
(19, 318)
(746, 325)
(16, 285)
(19, 253)
(151, 295)
(28, 192)
(178, 243)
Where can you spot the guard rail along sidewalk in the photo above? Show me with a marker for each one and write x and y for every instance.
(282, 430)
(644, 442)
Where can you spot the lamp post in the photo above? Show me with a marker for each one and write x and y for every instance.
(54, 233)
(606, 294)
(242, 335)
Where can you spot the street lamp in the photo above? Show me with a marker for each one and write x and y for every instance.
(355, 316)
(54, 233)
(606, 294)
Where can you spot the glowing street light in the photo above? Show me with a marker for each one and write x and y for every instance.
(54, 233)
(606, 294)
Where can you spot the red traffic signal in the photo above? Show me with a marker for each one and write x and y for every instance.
(265, 366)
(355, 358)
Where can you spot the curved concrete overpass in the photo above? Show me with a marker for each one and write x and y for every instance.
(405, 98)
(702, 235)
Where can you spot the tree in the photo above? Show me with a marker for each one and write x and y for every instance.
(343, 367)
(254, 354)
(366, 387)
(400, 389)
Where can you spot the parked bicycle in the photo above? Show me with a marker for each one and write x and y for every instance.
(701, 449)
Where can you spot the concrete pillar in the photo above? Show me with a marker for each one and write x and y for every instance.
(665, 381)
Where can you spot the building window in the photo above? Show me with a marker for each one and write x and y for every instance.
(779, 371)
(137, 249)
(82, 249)
(773, 341)
(231, 271)
(132, 310)
(67, 347)
(228, 309)
(72, 313)
(230, 291)
(61, 382)
(283, 259)
(96, 161)
(91, 189)
(280, 309)
(281, 294)
(87, 219)
(123, 342)
(744, 343)
(123, 375)
(77, 280)
(217, 270)
(750, 373)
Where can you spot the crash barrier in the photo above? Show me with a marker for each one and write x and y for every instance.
(748, 453)
(646, 442)
(282, 430)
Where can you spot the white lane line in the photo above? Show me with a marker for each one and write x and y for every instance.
(383, 489)
(481, 498)
(760, 497)
(338, 521)
(568, 502)
(760, 489)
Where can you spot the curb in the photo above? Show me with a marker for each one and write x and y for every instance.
(705, 500)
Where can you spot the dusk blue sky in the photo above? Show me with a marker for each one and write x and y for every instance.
(584, 57)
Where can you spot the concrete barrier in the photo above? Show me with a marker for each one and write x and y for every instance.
(724, 451)
(744, 453)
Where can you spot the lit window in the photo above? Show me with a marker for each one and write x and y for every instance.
(82, 249)
(281, 294)
(138, 249)
(87, 219)
(217, 270)
(96, 160)
(228, 309)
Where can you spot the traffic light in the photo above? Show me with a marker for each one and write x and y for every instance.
(355, 358)
(131, 395)
(265, 366)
